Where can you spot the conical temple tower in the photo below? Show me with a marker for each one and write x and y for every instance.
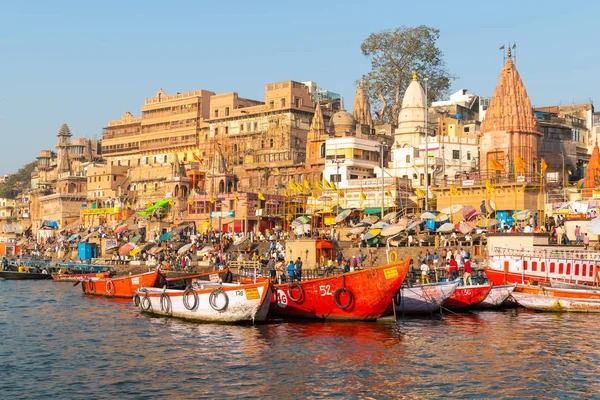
(64, 142)
(591, 181)
(362, 107)
(317, 135)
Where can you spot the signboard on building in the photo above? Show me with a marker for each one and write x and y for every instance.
(96, 211)
(222, 214)
(468, 182)
(520, 178)
(110, 244)
(369, 182)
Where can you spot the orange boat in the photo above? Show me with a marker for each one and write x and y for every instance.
(360, 295)
(123, 287)
(467, 296)
(80, 277)
(556, 292)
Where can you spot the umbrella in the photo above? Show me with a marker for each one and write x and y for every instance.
(492, 205)
(464, 227)
(147, 246)
(342, 216)
(371, 219)
(136, 238)
(73, 237)
(447, 227)
(403, 221)
(427, 215)
(379, 224)
(121, 228)
(374, 232)
(357, 230)
(304, 219)
(412, 225)
(452, 210)
(391, 230)
(296, 223)
(482, 223)
(369, 235)
(184, 248)
(126, 248)
(469, 212)
(441, 217)
(165, 236)
(522, 215)
(387, 217)
(135, 251)
(593, 226)
(207, 249)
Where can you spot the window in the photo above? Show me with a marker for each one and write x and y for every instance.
(114, 177)
(226, 111)
(297, 102)
(271, 143)
(455, 154)
(226, 130)
(468, 155)
(242, 127)
(216, 113)
(216, 130)
(408, 158)
(466, 129)
(282, 103)
(272, 104)
(323, 151)
(165, 159)
(262, 144)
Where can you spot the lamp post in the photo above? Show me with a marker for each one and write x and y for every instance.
(426, 152)
(562, 181)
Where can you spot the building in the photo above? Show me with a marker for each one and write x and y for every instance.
(320, 94)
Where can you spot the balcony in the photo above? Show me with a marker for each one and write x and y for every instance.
(123, 150)
(171, 142)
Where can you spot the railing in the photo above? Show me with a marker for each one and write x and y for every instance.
(167, 143)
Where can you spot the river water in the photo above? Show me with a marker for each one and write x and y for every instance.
(57, 343)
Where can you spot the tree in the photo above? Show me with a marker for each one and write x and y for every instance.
(395, 54)
(17, 182)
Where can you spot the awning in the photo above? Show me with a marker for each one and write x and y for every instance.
(372, 210)
(165, 236)
(136, 238)
(323, 244)
(162, 203)
(121, 228)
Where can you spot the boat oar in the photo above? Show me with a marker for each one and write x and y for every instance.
(76, 283)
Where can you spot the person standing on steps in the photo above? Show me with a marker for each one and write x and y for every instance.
(298, 269)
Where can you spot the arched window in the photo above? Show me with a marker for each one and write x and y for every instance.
(323, 150)
(221, 187)
(229, 186)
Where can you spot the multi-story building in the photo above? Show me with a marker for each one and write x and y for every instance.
(7, 209)
(320, 94)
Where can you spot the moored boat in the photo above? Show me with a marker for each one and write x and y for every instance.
(497, 296)
(465, 297)
(556, 292)
(423, 299)
(558, 284)
(361, 295)
(208, 302)
(124, 286)
(21, 276)
(545, 301)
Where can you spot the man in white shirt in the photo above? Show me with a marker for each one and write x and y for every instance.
(424, 273)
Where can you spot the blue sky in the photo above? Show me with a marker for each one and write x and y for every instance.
(85, 63)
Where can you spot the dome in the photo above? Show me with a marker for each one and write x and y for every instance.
(412, 113)
(342, 122)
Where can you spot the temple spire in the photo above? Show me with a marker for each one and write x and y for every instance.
(592, 173)
(317, 125)
(509, 51)
(362, 107)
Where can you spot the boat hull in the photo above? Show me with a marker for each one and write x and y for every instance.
(359, 295)
(465, 297)
(423, 299)
(555, 292)
(497, 297)
(123, 287)
(210, 302)
(548, 303)
(80, 277)
(556, 284)
(22, 276)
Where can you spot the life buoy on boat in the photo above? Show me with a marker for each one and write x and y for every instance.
(336, 297)
(109, 287)
(292, 286)
(186, 293)
(392, 256)
(213, 296)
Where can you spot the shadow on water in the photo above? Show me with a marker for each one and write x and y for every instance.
(56, 342)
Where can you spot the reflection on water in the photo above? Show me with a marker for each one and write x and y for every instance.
(55, 342)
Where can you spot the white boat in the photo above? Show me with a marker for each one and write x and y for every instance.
(208, 302)
(545, 301)
(497, 296)
(558, 284)
(423, 299)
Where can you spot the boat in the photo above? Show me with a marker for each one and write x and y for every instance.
(541, 264)
(558, 284)
(124, 286)
(80, 277)
(22, 276)
(556, 292)
(545, 301)
(361, 295)
(465, 297)
(423, 299)
(497, 296)
(208, 302)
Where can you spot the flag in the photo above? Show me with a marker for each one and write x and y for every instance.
(520, 164)
(191, 202)
(388, 193)
(260, 196)
(318, 185)
(307, 184)
(292, 185)
(596, 193)
(149, 204)
(362, 195)
(514, 46)
(211, 199)
(235, 197)
(298, 187)
(313, 195)
(128, 205)
(495, 165)
(419, 192)
(326, 184)
(197, 158)
(453, 190)
(543, 166)
(340, 193)
(489, 187)
(285, 193)
(171, 202)
(333, 186)
(501, 47)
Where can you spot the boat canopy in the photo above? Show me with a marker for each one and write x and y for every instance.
(373, 210)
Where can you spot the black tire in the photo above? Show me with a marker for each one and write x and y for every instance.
(146, 304)
(165, 303)
(336, 297)
(186, 303)
(213, 297)
(136, 300)
(398, 298)
(83, 286)
(289, 292)
(91, 286)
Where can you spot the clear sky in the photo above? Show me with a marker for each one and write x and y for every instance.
(85, 63)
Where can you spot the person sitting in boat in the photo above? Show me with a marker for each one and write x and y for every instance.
(228, 276)
(4, 264)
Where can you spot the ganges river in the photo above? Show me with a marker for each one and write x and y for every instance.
(56, 343)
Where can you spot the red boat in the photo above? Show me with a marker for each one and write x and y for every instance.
(125, 286)
(360, 295)
(467, 296)
(80, 277)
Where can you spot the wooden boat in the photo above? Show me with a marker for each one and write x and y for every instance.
(361, 295)
(555, 292)
(21, 276)
(558, 284)
(124, 286)
(545, 301)
(497, 296)
(467, 296)
(423, 299)
(80, 277)
(208, 302)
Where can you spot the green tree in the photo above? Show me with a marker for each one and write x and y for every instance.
(394, 55)
(17, 182)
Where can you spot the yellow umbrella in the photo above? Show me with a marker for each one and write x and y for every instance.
(135, 251)
(375, 231)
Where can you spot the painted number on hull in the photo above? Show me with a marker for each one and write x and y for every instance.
(325, 290)
(282, 299)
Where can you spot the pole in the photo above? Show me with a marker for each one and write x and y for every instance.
(563, 175)
(382, 182)
(426, 153)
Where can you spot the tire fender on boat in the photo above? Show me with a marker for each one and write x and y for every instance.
(336, 297)
(213, 296)
(186, 293)
(392, 256)
(146, 303)
(165, 302)
(398, 297)
(83, 285)
(136, 300)
(290, 287)
(109, 287)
